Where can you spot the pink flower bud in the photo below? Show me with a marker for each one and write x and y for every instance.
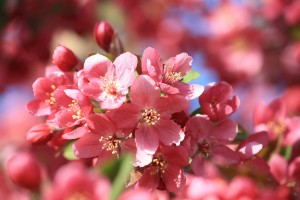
(103, 34)
(64, 58)
(24, 170)
(39, 134)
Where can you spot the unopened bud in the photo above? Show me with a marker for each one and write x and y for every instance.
(24, 171)
(103, 34)
(39, 134)
(64, 58)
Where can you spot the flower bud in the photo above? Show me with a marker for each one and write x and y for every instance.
(24, 170)
(64, 58)
(103, 34)
(39, 134)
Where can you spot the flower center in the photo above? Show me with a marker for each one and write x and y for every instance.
(51, 99)
(277, 127)
(110, 88)
(73, 107)
(158, 164)
(150, 116)
(172, 77)
(204, 148)
(110, 144)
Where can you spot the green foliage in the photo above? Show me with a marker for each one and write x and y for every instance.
(68, 152)
(192, 75)
(118, 172)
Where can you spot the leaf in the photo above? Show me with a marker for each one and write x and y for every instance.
(68, 152)
(192, 75)
(118, 172)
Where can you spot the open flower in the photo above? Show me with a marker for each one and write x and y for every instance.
(151, 114)
(105, 81)
(168, 77)
(165, 169)
(104, 141)
(210, 141)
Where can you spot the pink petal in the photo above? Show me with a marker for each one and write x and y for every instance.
(198, 127)
(221, 154)
(127, 111)
(143, 92)
(171, 104)
(197, 165)
(253, 144)
(76, 133)
(125, 64)
(101, 124)
(169, 132)
(38, 108)
(189, 91)
(176, 155)
(149, 179)
(146, 139)
(112, 102)
(279, 168)
(182, 63)
(87, 146)
(142, 158)
(96, 65)
(41, 87)
(174, 178)
(152, 64)
(225, 131)
(168, 89)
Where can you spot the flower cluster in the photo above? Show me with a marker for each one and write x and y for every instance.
(111, 105)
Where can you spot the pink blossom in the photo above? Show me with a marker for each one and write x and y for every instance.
(73, 181)
(168, 77)
(165, 169)
(74, 107)
(151, 114)
(104, 141)
(43, 90)
(108, 82)
(216, 103)
(208, 141)
(24, 170)
(39, 134)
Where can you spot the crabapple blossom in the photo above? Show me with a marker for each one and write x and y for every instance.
(216, 103)
(73, 181)
(208, 141)
(150, 113)
(64, 58)
(104, 141)
(165, 169)
(168, 76)
(103, 34)
(43, 90)
(108, 82)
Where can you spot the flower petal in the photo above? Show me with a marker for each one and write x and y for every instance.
(143, 92)
(87, 146)
(146, 138)
(189, 91)
(125, 64)
(169, 132)
(152, 64)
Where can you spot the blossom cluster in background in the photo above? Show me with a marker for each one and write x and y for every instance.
(139, 118)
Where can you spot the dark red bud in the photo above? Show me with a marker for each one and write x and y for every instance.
(64, 58)
(39, 134)
(103, 34)
(24, 171)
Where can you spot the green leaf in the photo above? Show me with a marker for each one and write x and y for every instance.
(122, 176)
(192, 75)
(195, 112)
(118, 171)
(68, 152)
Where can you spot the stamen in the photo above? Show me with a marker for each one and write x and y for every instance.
(110, 144)
(51, 99)
(150, 116)
(158, 164)
(73, 107)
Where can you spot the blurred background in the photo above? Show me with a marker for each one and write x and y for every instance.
(252, 44)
